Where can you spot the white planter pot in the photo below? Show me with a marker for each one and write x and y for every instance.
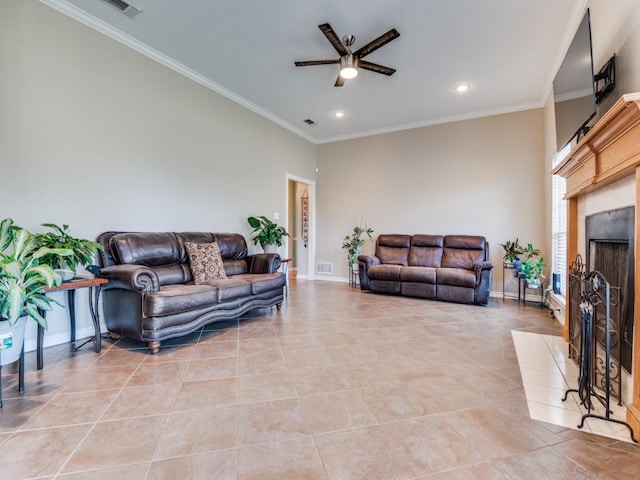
(270, 248)
(13, 334)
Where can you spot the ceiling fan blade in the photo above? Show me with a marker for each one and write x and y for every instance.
(339, 81)
(377, 43)
(333, 38)
(374, 67)
(316, 62)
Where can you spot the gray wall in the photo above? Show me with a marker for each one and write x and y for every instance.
(97, 136)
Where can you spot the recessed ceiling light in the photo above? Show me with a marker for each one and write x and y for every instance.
(338, 114)
(463, 87)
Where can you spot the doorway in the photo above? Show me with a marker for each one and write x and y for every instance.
(300, 225)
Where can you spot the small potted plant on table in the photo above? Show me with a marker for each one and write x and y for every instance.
(353, 244)
(267, 233)
(512, 252)
(82, 251)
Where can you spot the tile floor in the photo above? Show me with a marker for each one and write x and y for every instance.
(547, 373)
(340, 384)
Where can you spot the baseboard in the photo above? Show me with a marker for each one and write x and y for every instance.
(51, 340)
(329, 278)
(507, 295)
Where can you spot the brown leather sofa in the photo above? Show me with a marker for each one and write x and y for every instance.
(454, 268)
(151, 295)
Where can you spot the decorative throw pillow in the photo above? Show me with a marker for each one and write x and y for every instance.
(206, 262)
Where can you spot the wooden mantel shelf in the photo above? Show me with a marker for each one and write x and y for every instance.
(609, 152)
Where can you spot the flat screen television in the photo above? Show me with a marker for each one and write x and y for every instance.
(574, 88)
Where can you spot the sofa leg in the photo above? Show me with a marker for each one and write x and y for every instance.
(154, 347)
(279, 306)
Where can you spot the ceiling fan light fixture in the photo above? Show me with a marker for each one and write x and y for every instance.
(348, 67)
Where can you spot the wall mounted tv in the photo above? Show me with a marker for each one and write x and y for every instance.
(574, 88)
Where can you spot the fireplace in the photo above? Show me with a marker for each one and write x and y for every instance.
(608, 153)
(609, 250)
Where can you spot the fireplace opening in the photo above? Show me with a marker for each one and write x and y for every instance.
(610, 251)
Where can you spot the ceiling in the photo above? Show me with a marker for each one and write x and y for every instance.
(508, 51)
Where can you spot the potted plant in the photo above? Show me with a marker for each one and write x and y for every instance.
(512, 252)
(353, 243)
(533, 271)
(23, 279)
(59, 239)
(268, 234)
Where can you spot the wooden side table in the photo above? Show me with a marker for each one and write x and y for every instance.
(70, 286)
(284, 263)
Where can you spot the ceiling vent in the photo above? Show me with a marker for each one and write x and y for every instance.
(308, 121)
(128, 9)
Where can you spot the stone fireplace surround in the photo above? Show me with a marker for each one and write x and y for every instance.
(609, 154)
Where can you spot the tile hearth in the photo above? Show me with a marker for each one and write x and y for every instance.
(340, 384)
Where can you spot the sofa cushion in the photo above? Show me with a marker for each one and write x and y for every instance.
(426, 250)
(145, 248)
(172, 299)
(393, 249)
(456, 276)
(265, 282)
(235, 267)
(384, 272)
(232, 246)
(172, 274)
(206, 262)
(418, 274)
(463, 251)
(231, 288)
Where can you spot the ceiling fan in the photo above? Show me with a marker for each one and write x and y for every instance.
(350, 61)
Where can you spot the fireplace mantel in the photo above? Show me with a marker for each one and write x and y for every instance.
(609, 152)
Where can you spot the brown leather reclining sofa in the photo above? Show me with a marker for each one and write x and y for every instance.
(151, 295)
(453, 268)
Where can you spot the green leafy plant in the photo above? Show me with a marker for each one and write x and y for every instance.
(530, 252)
(265, 232)
(353, 243)
(533, 270)
(512, 250)
(23, 275)
(83, 251)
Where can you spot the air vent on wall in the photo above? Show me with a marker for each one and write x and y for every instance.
(324, 267)
(128, 9)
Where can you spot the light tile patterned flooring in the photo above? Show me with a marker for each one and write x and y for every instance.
(340, 384)
(547, 372)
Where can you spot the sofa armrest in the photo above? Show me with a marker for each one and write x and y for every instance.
(136, 278)
(483, 282)
(479, 268)
(364, 262)
(263, 263)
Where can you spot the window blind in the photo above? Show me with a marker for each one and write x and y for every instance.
(559, 222)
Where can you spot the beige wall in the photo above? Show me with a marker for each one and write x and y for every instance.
(479, 177)
(97, 136)
(615, 28)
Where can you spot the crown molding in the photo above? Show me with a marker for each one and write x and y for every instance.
(434, 121)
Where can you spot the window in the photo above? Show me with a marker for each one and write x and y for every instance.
(559, 222)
